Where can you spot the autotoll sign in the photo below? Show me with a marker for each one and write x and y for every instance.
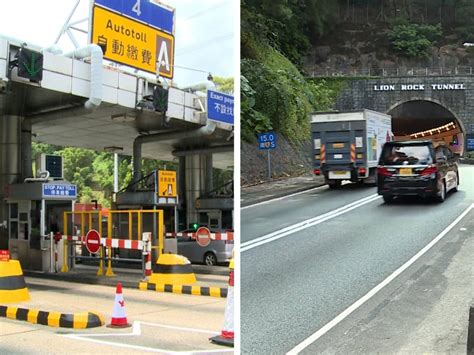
(93, 241)
(267, 140)
(167, 183)
(132, 43)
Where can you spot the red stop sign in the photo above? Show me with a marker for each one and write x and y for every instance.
(93, 241)
(203, 236)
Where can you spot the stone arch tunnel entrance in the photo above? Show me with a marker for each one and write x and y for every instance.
(423, 119)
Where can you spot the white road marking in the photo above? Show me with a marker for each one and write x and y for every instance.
(303, 345)
(283, 197)
(306, 224)
(136, 331)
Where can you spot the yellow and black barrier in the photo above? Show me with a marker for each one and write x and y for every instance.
(12, 282)
(172, 269)
(185, 289)
(54, 319)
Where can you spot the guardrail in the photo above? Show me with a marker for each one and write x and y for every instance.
(393, 72)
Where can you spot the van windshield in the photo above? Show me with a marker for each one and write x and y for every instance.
(406, 155)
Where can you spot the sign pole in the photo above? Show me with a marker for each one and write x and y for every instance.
(269, 166)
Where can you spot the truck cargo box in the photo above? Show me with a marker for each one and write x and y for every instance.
(347, 145)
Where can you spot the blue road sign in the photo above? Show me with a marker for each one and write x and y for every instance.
(220, 107)
(470, 142)
(59, 190)
(145, 11)
(267, 140)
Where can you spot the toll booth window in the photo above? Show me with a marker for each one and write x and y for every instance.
(23, 232)
(14, 210)
(13, 230)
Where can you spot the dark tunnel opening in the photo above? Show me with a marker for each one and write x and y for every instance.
(420, 119)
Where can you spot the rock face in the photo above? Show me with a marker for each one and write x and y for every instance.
(286, 160)
(358, 50)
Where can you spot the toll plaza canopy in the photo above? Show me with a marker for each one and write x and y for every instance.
(79, 101)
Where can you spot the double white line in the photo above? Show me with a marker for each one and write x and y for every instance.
(305, 224)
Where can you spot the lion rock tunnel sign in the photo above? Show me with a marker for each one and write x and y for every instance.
(136, 33)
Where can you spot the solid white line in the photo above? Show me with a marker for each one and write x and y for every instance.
(306, 224)
(283, 197)
(376, 289)
(310, 220)
(180, 328)
(136, 331)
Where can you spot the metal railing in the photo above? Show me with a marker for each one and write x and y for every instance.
(77, 223)
(392, 72)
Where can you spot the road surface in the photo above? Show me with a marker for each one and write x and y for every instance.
(308, 258)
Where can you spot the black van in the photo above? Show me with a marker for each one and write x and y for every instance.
(417, 168)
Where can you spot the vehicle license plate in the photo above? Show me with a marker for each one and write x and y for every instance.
(338, 145)
(405, 171)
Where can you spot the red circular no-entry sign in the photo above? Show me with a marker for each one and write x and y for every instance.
(203, 236)
(93, 241)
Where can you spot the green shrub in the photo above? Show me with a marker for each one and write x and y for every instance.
(413, 40)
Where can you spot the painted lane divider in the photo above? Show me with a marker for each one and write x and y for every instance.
(185, 289)
(54, 319)
(306, 224)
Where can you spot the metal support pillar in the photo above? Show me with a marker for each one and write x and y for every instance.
(10, 137)
(198, 180)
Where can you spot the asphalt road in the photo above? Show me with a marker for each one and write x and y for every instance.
(162, 322)
(307, 258)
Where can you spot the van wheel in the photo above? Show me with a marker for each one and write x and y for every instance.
(210, 259)
(442, 194)
(387, 198)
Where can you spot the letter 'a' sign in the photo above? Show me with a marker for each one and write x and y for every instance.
(135, 33)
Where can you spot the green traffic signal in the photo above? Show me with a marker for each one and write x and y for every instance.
(30, 65)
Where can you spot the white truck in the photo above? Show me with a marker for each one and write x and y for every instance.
(347, 145)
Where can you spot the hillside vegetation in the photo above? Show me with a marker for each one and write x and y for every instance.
(278, 37)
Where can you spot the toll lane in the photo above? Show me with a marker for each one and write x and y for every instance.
(293, 286)
(161, 323)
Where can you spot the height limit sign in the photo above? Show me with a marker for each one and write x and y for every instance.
(267, 141)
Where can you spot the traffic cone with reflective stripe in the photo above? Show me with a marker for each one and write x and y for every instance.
(119, 319)
(227, 334)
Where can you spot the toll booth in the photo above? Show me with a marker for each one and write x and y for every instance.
(35, 210)
(155, 191)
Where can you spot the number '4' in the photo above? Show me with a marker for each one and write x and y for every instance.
(136, 8)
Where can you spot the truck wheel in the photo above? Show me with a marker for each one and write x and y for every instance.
(334, 184)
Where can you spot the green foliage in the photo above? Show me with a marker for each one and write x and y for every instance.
(288, 26)
(464, 20)
(93, 172)
(225, 85)
(275, 95)
(414, 40)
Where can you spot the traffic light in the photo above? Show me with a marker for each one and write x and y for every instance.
(160, 99)
(194, 226)
(30, 65)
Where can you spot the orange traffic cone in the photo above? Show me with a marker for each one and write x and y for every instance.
(227, 335)
(119, 319)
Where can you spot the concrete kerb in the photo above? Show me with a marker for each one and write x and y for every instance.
(185, 289)
(81, 320)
